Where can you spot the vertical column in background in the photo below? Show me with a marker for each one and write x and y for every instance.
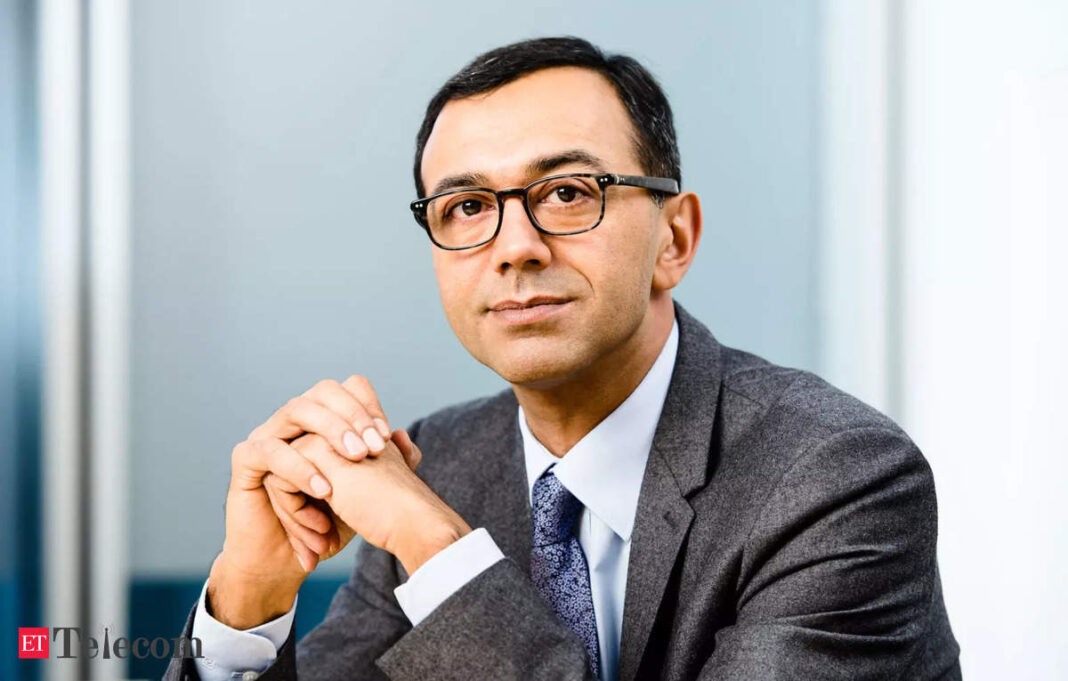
(84, 65)
(61, 203)
(108, 307)
(857, 273)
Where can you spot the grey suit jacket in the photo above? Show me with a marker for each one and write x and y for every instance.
(784, 530)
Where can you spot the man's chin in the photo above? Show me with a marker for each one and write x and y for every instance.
(536, 367)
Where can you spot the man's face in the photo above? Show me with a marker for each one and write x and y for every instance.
(604, 274)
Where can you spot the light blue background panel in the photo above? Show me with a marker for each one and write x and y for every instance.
(272, 244)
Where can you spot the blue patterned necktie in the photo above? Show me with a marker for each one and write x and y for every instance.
(557, 564)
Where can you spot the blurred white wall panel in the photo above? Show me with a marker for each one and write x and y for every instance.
(109, 302)
(985, 166)
(60, 109)
(855, 268)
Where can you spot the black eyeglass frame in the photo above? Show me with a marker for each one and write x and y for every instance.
(663, 185)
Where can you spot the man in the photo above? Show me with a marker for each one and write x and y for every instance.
(646, 503)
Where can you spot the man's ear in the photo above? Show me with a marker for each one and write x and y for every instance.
(680, 231)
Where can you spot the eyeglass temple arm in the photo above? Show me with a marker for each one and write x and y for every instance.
(660, 184)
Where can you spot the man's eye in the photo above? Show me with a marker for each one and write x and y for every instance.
(467, 208)
(566, 193)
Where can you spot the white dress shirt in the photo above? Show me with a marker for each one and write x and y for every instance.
(604, 471)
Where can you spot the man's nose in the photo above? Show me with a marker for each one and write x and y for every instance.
(519, 244)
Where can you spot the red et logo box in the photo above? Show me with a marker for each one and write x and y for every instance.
(33, 642)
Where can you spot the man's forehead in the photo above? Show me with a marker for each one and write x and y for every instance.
(501, 132)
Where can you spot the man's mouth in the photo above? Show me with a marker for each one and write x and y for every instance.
(528, 303)
(529, 311)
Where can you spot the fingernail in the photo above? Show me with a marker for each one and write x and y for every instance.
(320, 486)
(354, 445)
(383, 428)
(374, 440)
(303, 563)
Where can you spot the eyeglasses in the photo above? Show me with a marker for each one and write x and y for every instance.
(559, 204)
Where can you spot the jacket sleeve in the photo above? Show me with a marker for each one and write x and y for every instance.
(494, 627)
(838, 574)
(362, 622)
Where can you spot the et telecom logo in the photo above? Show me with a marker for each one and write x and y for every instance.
(34, 643)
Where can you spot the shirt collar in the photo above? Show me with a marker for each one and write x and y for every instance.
(604, 469)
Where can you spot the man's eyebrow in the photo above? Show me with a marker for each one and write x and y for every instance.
(539, 166)
(461, 180)
(546, 164)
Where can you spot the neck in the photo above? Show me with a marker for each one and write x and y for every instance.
(561, 415)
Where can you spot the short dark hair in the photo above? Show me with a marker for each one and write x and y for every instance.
(645, 101)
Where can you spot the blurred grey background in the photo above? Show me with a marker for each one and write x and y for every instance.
(203, 211)
(273, 245)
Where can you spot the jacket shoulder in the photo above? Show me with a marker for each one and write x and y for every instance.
(463, 419)
(757, 392)
(790, 442)
(772, 419)
(459, 434)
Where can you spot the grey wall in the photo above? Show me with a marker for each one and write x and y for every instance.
(272, 244)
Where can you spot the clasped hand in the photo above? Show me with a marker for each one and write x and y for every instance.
(324, 467)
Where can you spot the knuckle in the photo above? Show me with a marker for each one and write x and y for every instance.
(301, 443)
(287, 410)
(281, 457)
(357, 414)
(251, 449)
(273, 483)
(319, 387)
(318, 443)
(308, 445)
(296, 404)
(357, 381)
(270, 448)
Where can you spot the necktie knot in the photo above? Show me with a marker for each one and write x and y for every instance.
(554, 508)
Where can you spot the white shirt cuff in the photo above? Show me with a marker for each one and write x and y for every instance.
(445, 572)
(227, 651)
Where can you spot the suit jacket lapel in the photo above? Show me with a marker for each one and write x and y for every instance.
(515, 501)
(678, 464)
(501, 480)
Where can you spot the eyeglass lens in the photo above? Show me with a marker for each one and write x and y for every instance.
(558, 205)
